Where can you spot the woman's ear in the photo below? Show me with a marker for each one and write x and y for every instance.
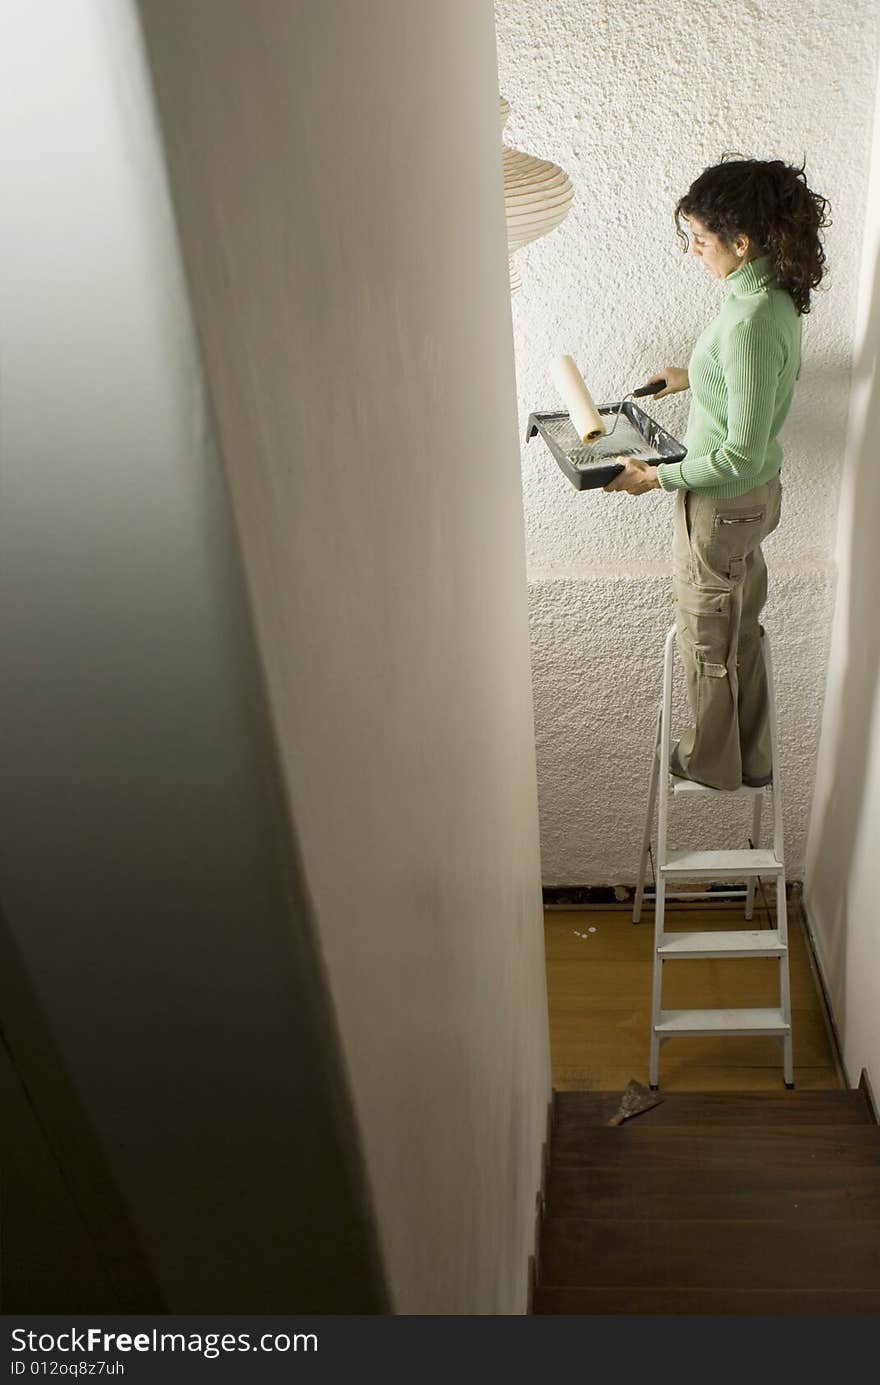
(741, 246)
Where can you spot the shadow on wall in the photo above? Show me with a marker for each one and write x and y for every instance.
(837, 832)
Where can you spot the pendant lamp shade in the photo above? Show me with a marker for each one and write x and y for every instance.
(537, 196)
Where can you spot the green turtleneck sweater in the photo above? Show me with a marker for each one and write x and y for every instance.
(742, 373)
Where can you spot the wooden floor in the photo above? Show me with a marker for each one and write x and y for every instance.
(599, 985)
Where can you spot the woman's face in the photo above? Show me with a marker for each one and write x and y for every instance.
(719, 258)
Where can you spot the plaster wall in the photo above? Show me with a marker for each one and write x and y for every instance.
(840, 889)
(338, 185)
(634, 101)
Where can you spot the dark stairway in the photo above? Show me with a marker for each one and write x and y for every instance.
(716, 1203)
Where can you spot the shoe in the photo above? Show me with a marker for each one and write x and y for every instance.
(675, 766)
(763, 781)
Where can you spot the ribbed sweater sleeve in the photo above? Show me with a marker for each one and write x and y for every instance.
(752, 358)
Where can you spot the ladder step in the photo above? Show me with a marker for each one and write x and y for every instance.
(708, 865)
(690, 786)
(765, 942)
(767, 1021)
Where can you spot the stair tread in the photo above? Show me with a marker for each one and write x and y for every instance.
(638, 1299)
(719, 1254)
(746, 1020)
(711, 1194)
(579, 1109)
(636, 1146)
(733, 942)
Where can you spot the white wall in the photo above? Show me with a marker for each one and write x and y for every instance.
(841, 885)
(156, 925)
(150, 879)
(337, 177)
(634, 101)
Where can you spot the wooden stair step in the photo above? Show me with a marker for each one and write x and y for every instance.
(675, 1254)
(639, 1147)
(715, 1194)
(579, 1109)
(746, 1302)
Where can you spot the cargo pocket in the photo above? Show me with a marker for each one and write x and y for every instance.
(732, 520)
(702, 602)
(711, 693)
(706, 668)
(735, 534)
(702, 618)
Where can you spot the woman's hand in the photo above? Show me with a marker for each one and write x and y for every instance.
(636, 478)
(676, 381)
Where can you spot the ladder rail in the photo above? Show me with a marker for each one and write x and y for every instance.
(665, 748)
(778, 832)
(649, 822)
(757, 810)
(779, 847)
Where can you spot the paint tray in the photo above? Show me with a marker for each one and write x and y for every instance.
(588, 465)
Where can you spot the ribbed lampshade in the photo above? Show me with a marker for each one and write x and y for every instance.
(537, 196)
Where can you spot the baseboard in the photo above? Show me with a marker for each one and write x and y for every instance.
(621, 896)
(819, 973)
(582, 896)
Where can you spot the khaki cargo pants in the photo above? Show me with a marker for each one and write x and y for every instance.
(720, 586)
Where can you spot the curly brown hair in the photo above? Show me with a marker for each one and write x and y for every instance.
(770, 202)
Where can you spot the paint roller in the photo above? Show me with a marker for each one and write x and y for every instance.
(585, 417)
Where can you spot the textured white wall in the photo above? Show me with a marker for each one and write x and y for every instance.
(840, 889)
(340, 201)
(634, 101)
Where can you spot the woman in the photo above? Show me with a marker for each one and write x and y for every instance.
(755, 225)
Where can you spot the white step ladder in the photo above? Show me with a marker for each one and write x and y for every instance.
(747, 865)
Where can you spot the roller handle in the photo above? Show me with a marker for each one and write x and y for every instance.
(649, 389)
